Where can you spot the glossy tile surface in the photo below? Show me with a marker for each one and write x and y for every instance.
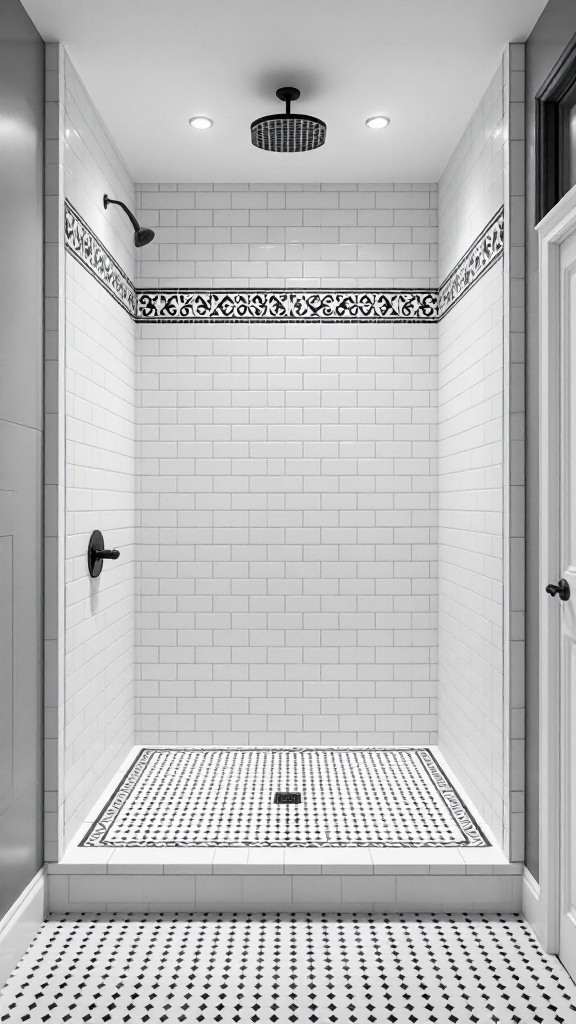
(288, 969)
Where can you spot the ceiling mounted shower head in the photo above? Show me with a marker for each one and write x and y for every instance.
(142, 236)
(288, 133)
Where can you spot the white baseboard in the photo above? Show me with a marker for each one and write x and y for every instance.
(20, 924)
(531, 904)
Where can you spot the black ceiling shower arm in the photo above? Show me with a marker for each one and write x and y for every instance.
(117, 202)
(288, 95)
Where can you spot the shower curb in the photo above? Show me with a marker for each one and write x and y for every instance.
(377, 882)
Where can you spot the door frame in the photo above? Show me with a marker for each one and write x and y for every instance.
(557, 225)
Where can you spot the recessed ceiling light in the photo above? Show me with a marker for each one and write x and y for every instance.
(200, 122)
(380, 121)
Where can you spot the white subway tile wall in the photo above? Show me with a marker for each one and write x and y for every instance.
(471, 188)
(480, 409)
(290, 236)
(287, 476)
(94, 728)
(470, 477)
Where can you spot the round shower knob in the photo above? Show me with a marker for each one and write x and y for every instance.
(97, 553)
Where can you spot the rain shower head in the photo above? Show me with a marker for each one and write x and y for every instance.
(142, 236)
(288, 133)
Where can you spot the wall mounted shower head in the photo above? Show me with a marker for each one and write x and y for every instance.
(142, 236)
(288, 133)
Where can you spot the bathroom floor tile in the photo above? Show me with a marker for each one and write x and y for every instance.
(287, 969)
(194, 796)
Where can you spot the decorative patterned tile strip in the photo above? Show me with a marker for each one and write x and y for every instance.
(84, 246)
(484, 251)
(182, 305)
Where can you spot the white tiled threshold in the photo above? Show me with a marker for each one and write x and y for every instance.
(288, 969)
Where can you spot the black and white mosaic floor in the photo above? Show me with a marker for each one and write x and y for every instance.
(288, 969)
(194, 796)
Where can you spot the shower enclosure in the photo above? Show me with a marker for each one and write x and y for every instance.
(297, 413)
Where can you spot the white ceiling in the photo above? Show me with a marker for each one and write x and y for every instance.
(149, 65)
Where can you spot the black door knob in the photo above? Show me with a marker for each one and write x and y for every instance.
(97, 552)
(561, 588)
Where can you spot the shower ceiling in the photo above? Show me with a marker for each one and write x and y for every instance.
(149, 66)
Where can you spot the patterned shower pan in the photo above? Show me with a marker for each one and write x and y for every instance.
(350, 796)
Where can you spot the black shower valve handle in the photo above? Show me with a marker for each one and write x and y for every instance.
(114, 553)
(97, 553)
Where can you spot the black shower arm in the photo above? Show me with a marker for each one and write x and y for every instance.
(117, 202)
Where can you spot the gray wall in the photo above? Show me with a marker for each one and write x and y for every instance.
(21, 383)
(550, 36)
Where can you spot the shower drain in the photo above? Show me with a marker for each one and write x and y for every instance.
(287, 798)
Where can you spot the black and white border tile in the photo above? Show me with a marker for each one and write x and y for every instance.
(352, 797)
(485, 250)
(181, 305)
(221, 306)
(86, 247)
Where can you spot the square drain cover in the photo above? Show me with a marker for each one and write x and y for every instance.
(288, 798)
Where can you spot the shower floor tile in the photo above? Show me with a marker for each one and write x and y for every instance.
(206, 796)
(288, 969)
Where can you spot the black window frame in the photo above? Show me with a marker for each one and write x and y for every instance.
(550, 156)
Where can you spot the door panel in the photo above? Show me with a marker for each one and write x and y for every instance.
(568, 845)
(567, 526)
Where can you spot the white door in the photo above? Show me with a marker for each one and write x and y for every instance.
(568, 607)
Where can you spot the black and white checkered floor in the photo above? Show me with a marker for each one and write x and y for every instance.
(288, 969)
(205, 796)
